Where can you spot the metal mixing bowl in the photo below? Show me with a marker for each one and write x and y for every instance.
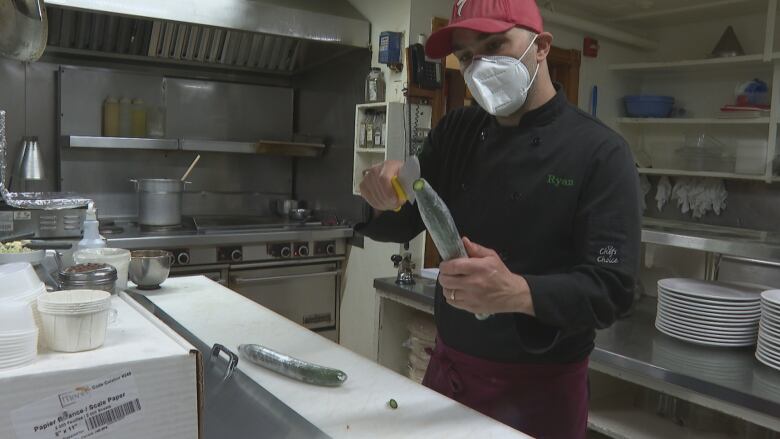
(149, 268)
(300, 214)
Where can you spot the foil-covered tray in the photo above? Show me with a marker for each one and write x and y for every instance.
(32, 200)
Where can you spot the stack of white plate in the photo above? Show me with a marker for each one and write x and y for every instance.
(723, 366)
(768, 350)
(709, 313)
(18, 335)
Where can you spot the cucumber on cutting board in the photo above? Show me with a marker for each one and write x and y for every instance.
(292, 367)
(438, 220)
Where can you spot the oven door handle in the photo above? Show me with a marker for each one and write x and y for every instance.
(252, 280)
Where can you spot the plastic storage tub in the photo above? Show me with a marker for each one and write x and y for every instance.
(648, 105)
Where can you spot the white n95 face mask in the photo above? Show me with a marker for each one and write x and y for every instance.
(500, 84)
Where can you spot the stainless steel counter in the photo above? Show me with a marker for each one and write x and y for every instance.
(715, 239)
(634, 345)
(234, 404)
(134, 238)
(421, 292)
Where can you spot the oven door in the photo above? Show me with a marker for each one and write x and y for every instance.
(304, 293)
(217, 273)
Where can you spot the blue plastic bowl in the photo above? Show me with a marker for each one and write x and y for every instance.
(648, 106)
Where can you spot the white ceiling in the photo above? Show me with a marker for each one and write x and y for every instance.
(654, 12)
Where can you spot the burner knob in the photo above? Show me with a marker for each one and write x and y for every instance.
(330, 249)
(285, 252)
(183, 258)
(236, 255)
(303, 250)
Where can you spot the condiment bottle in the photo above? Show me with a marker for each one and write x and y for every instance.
(125, 121)
(138, 118)
(110, 117)
(369, 129)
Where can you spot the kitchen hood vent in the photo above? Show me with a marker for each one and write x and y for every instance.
(136, 30)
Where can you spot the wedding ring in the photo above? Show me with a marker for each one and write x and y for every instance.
(366, 172)
(452, 295)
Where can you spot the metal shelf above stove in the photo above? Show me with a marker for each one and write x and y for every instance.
(266, 147)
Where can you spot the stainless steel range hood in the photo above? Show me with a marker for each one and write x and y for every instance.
(275, 36)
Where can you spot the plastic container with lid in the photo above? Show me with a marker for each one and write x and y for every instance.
(375, 85)
(116, 257)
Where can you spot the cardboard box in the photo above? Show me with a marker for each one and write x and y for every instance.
(144, 382)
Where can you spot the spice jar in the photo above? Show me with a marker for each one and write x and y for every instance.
(375, 85)
(89, 276)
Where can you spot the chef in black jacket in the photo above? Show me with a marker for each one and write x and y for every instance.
(546, 198)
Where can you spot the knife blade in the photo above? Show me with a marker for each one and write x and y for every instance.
(404, 181)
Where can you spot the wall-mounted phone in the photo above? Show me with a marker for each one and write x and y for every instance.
(425, 74)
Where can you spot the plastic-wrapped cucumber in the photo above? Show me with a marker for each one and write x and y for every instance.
(292, 367)
(438, 220)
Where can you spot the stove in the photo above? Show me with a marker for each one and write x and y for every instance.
(293, 268)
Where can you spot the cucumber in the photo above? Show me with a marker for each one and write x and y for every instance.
(300, 370)
(438, 220)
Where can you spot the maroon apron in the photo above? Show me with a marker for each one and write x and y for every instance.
(541, 400)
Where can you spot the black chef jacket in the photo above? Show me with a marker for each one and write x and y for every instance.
(557, 198)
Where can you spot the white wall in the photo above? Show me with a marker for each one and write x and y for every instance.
(358, 304)
(387, 16)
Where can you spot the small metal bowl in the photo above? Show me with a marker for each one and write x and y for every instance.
(300, 214)
(149, 268)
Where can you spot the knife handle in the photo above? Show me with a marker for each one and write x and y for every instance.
(399, 191)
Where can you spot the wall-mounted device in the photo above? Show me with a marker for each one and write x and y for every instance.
(390, 50)
(426, 74)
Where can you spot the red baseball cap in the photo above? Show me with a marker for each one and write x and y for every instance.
(485, 16)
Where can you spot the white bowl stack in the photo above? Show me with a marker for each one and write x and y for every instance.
(768, 350)
(20, 283)
(18, 335)
(709, 313)
(75, 320)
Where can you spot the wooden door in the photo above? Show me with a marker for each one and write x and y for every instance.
(564, 66)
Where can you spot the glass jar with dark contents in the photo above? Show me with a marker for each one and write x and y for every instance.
(90, 276)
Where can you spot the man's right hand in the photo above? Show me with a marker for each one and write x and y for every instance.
(377, 187)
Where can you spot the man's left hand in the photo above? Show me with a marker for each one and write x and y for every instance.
(482, 283)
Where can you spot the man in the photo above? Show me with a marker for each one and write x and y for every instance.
(546, 198)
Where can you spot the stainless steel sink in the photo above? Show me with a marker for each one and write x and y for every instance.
(235, 406)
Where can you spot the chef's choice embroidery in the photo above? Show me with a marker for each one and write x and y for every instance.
(608, 255)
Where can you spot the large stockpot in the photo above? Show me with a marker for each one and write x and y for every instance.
(159, 201)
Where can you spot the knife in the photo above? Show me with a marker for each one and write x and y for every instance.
(404, 181)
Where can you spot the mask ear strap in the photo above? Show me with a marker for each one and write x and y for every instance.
(531, 82)
(529, 47)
